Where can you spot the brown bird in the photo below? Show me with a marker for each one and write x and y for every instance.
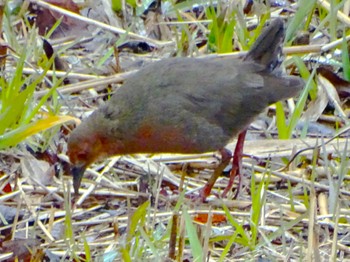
(185, 105)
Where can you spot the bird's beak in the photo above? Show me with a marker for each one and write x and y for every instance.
(77, 172)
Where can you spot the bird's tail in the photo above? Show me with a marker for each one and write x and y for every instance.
(267, 49)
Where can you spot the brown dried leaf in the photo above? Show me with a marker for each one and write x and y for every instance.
(38, 171)
(342, 86)
(332, 94)
(316, 107)
(22, 249)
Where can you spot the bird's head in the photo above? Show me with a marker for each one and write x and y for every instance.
(96, 138)
(83, 150)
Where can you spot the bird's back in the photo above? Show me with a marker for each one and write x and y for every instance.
(189, 105)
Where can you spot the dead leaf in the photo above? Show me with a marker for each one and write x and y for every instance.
(216, 218)
(46, 18)
(155, 23)
(332, 96)
(38, 171)
(316, 107)
(341, 85)
(22, 249)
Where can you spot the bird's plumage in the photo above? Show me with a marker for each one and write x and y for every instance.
(185, 105)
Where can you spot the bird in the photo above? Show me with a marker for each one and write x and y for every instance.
(185, 105)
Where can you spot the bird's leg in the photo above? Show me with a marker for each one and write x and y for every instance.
(226, 156)
(236, 164)
(225, 160)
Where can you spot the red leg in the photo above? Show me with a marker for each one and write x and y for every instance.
(225, 160)
(236, 163)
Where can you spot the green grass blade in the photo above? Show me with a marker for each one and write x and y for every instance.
(310, 85)
(17, 135)
(242, 238)
(281, 124)
(196, 246)
(137, 219)
(258, 194)
(306, 7)
(228, 246)
(227, 37)
(345, 59)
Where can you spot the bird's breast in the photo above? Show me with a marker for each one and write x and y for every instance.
(151, 139)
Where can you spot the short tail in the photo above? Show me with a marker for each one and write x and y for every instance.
(267, 49)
